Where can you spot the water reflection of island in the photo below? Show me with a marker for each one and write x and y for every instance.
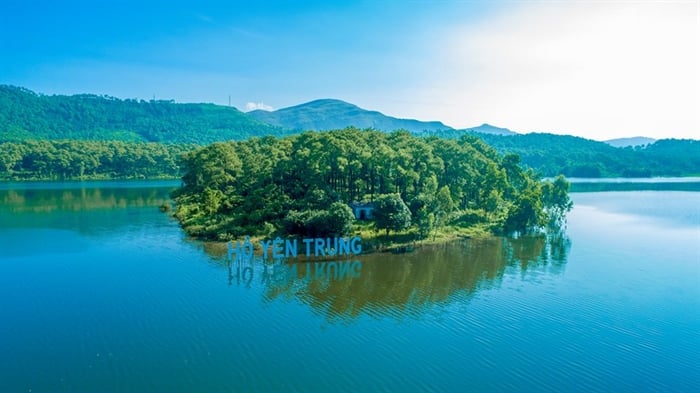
(385, 283)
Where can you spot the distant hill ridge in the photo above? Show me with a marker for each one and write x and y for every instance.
(489, 129)
(632, 141)
(332, 114)
(25, 114)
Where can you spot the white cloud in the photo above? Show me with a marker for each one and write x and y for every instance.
(251, 106)
(595, 69)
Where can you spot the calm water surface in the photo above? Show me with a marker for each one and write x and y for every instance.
(99, 291)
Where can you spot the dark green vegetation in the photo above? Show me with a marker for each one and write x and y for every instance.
(578, 157)
(64, 160)
(391, 213)
(301, 185)
(26, 115)
(551, 155)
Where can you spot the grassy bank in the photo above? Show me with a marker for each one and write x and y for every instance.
(374, 240)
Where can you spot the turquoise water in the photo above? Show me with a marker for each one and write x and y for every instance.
(99, 291)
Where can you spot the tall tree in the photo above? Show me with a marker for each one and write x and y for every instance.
(391, 213)
(556, 201)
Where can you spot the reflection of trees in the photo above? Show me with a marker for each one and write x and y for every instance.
(559, 245)
(525, 249)
(80, 199)
(82, 209)
(406, 282)
(410, 283)
(539, 251)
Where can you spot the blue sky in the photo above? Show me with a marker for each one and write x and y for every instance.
(594, 69)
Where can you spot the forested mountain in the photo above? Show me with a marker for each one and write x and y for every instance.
(329, 114)
(26, 115)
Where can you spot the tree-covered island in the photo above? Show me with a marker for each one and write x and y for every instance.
(305, 185)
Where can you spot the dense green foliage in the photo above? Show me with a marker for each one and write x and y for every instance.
(555, 196)
(391, 213)
(572, 156)
(297, 184)
(63, 160)
(551, 155)
(25, 115)
(336, 220)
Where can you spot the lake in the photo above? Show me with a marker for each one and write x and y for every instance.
(100, 291)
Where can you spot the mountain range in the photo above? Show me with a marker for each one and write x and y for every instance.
(26, 115)
(332, 114)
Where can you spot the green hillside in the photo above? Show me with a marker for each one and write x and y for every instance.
(572, 156)
(27, 115)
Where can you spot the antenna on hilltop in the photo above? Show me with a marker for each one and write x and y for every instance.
(229, 100)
